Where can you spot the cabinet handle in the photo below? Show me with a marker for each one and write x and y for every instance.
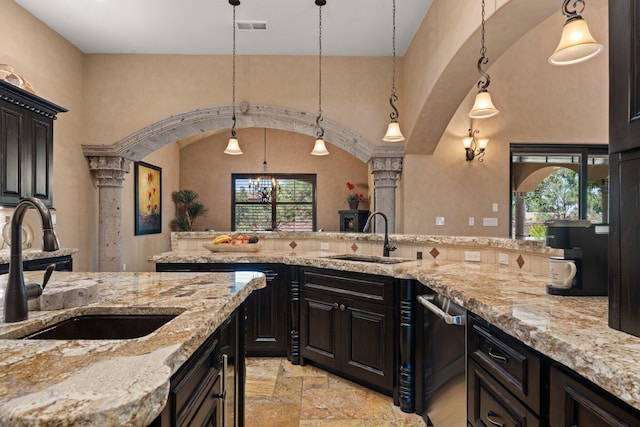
(495, 423)
(335, 305)
(498, 357)
(342, 307)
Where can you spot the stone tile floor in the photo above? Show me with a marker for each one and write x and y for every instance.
(279, 394)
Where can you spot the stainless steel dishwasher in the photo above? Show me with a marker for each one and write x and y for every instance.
(441, 362)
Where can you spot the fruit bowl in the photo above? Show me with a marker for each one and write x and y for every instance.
(228, 247)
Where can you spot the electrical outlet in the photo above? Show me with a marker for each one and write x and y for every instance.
(490, 222)
(439, 220)
(503, 258)
(494, 208)
(472, 220)
(472, 256)
(124, 267)
(324, 246)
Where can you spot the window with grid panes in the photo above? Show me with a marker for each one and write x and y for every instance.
(290, 207)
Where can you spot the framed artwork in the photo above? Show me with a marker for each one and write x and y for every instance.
(148, 199)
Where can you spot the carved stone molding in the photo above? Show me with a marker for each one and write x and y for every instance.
(109, 170)
(386, 171)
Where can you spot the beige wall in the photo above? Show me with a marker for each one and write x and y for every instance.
(205, 169)
(55, 68)
(112, 96)
(538, 103)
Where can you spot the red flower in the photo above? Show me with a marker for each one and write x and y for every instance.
(149, 177)
(350, 186)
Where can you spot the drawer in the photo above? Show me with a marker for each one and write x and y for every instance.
(357, 286)
(515, 366)
(490, 404)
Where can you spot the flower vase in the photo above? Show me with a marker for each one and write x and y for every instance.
(353, 204)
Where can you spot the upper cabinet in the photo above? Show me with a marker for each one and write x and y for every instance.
(26, 145)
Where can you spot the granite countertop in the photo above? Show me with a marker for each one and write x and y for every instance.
(31, 254)
(112, 382)
(570, 330)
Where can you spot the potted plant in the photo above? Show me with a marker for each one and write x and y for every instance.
(354, 198)
(187, 210)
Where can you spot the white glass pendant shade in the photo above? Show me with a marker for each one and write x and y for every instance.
(233, 147)
(482, 143)
(319, 148)
(483, 107)
(393, 133)
(576, 44)
(467, 141)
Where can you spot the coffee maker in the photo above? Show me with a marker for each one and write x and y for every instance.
(588, 245)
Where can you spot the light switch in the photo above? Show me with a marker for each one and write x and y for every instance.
(439, 220)
(494, 208)
(472, 220)
(490, 222)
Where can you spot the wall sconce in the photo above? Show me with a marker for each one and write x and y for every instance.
(475, 147)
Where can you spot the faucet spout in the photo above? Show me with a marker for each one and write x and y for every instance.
(387, 247)
(16, 293)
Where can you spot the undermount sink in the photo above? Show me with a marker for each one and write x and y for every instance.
(368, 258)
(103, 327)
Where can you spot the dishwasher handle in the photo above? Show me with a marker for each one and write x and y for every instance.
(448, 319)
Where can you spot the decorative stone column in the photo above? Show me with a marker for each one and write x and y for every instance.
(520, 213)
(385, 172)
(109, 173)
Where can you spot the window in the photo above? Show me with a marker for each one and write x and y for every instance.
(557, 181)
(289, 207)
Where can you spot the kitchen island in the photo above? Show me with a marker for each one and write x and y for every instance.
(112, 381)
(572, 331)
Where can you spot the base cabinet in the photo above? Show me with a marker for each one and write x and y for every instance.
(206, 390)
(347, 324)
(267, 309)
(574, 402)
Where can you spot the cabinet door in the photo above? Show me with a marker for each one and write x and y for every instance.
(266, 333)
(368, 342)
(319, 328)
(11, 154)
(37, 172)
(624, 69)
(576, 403)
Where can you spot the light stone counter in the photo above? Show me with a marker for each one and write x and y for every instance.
(570, 330)
(112, 382)
(31, 254)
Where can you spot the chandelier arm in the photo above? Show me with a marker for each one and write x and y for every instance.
(320, 131)
(394, 114)
(485, 80)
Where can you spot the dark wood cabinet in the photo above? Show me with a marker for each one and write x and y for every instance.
(576, 402)
(353, 220)
(624, 161)
(347, 325)
(267, 309)
(63, 263)
(207, 390)
(26, 146)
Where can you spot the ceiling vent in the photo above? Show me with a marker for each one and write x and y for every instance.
(252, 25)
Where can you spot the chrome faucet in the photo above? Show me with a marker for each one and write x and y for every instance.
(387, 247)
(17, 294)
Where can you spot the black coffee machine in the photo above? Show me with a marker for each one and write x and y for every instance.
(588, 245)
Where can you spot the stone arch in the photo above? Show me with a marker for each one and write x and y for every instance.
(209, 120)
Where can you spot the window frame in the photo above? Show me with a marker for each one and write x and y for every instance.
(584, 150)
(310, 177)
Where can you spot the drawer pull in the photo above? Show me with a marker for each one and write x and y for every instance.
(495, 423)
(495, 355)
(342, 307)
(335, 305)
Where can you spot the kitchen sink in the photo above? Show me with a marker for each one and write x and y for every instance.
(368, 258)
(103, 327)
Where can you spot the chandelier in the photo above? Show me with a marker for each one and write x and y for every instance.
(265, 186)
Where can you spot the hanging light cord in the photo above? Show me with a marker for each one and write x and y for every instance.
(393, 98)
(574, 13)
(233, 128)
(483, 84)
(320, 132)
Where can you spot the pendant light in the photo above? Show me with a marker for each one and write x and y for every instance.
(233, 147)
(483, 106)
(576, 43)
(319, 148)
(393, 130)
